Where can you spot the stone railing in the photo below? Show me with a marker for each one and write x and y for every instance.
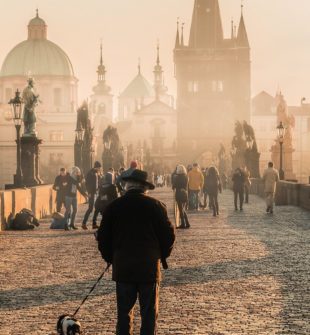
(288, 193)
(40, 199)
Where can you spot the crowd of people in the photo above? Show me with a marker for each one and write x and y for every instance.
(136, 236)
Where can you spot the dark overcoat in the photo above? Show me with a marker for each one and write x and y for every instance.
(134, 235)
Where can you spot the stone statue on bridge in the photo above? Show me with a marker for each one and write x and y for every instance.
(31, 100)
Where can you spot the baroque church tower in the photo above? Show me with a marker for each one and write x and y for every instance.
(213, 82)
(101, 107)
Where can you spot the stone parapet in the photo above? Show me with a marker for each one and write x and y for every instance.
(288, 193)
(39, 199)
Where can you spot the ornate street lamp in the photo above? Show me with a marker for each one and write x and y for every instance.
(281, 134)
(79, 137)
(17, 108)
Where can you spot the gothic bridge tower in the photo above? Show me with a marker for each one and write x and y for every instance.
(213, 76)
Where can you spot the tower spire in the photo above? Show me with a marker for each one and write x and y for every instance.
(206, 29)
(101, 68)
(182, 35)
(101, 60)
(139, 65)
(158, 76)
(37, 12)
(242, 37)
(177, 39)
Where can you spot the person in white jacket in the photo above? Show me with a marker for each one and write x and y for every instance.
(270, 177)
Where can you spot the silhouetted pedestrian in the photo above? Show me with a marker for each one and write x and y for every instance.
(180, 185)
(92, 185)
(60, 185)
(238, 188)
(214, 186)
(270, 178)
(134, 236)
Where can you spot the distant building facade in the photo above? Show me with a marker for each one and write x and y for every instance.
(213, 82)
(147, 120)
(56, 84)
(264, 120)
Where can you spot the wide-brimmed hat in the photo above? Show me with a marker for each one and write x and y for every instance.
(141, 177)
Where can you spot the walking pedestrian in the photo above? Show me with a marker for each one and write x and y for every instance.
(134, 236)
(214, 186)
(238, 188)
(60, 185)
(92, 185)
(180, 185)
(247, 183)
(107, 193)
(205, 189)
(270, 178)
(195, 184)
(74, 185)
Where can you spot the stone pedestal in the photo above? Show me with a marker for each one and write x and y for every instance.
(30, 160)
(252, 162)
(287, 159)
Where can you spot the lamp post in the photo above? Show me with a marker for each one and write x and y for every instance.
(17, 108)
(281, 133)
(79, 144)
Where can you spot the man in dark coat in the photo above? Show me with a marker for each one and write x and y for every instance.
(238, 179)
(60, 186)
(134, 236)
(92, 185)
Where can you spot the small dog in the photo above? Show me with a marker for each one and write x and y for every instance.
(67, 325)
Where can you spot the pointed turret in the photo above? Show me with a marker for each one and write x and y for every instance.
(206, 30)
(101, 68)
(242, 37)
(158, 76)
(177, 38)
(182, 35)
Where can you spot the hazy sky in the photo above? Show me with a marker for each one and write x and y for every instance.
(279, 33)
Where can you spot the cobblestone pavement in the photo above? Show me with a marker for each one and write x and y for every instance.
(241, 273)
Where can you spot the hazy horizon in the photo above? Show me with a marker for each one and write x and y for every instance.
(129, 30)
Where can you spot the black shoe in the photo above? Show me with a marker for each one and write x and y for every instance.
(241, 209)
(66, 228)
(182, 227)
(73, 227)
(271, 211)
(268, 209)
(95, 226)
(236, 208)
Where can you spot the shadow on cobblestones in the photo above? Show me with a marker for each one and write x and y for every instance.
(286, 236)
(45, 295)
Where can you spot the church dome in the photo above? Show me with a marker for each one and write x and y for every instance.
(138, 88)
(37, 56)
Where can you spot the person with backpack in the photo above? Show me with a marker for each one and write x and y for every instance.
(92, 185)
(214, 186)
(180, 186)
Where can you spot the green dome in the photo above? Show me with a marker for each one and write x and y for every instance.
(37, 57)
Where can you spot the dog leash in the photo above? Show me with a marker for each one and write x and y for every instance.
(90, 292)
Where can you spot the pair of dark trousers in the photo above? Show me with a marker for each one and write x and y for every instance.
(60, 201)
(246, 191)
(239, 194)
(126, 295)
(213, 199)
(91, 202)
(193, 199)
(183, 214)
(71, 209)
